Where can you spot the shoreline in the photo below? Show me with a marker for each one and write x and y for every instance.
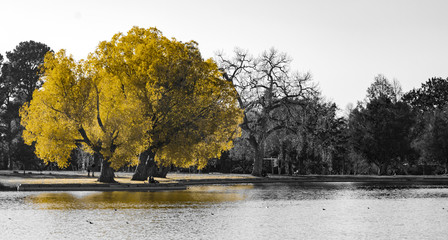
(77, 181)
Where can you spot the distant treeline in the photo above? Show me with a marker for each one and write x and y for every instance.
(288, 127)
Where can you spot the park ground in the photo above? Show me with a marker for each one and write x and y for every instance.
(12, 179)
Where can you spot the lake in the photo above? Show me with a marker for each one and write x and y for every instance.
(267, 211)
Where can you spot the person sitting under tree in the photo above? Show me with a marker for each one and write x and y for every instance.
(152, 180)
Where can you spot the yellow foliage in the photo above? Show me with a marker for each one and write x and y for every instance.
(77, 98)
(192, 110)
(137, 90)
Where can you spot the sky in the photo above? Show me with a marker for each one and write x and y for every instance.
(344, 44)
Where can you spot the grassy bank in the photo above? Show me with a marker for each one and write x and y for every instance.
(10, 180)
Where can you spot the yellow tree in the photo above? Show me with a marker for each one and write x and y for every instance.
(138, 93)
(81, 106)
(192, 110)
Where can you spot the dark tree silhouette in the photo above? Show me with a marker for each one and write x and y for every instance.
(380, 132)
(430, 131)
(431, 95)
(19, 78)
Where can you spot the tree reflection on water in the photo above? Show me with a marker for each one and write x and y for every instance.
(199, 195)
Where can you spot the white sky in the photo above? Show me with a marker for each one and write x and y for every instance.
(343, 43)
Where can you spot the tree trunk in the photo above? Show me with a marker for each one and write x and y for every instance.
(446, 167)
(107, 173)
(145, 162)
(287, 165)
(281, 159)
(300, 165)
(148, 167)
(9, 161)
(4, 163)
(280, 165)
(160, 172)
(258, 161)
(382, 169)
(9, 139)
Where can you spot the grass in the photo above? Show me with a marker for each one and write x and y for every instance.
(9, 178)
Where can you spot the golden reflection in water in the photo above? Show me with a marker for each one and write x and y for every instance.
(194, 196)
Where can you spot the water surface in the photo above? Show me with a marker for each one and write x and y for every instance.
(269, 211)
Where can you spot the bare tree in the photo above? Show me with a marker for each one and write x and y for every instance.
(381, 86)
(264, 84)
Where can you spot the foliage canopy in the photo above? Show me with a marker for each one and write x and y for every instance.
(134, 91)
